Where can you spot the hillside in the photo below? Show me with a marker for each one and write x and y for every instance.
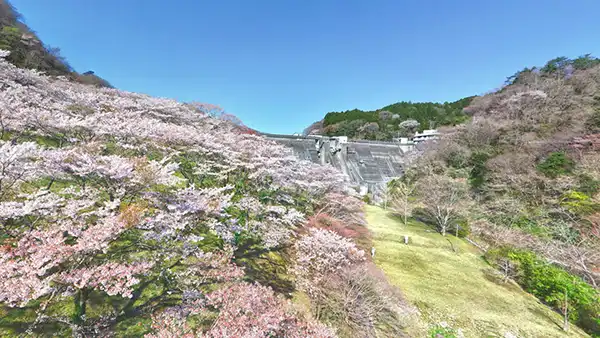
(28, 51)
(400, 119)
(128, 215)
(460, 288)
(523, 176)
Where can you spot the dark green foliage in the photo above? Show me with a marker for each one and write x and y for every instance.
(593, 122)
(349, 115)
(530, 226)
(556, 164)
(550, 283)
(423, 216)
(479, 170)
(462, 228)
(442, 332)
(457, 158)
(555, 65)
(92, 79)
(585, 62)
(349, 123)
(28, 51)
(588, 185)
(516, 77)
(579, 203)
(560, 66)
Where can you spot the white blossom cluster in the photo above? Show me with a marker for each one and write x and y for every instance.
(102, 188)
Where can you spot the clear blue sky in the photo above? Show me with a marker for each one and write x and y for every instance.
(280, 65)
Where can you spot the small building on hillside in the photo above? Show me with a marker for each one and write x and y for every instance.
(426, 135)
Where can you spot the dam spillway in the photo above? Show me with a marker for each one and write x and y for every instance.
(368, 164)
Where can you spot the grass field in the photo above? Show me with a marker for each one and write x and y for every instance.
(458, 288)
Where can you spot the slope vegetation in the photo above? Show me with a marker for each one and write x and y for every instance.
(28, 51)
(452, 283)
(387, 122)
(524, 175)
(127, 215)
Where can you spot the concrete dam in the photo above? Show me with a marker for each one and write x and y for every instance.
(368, 164)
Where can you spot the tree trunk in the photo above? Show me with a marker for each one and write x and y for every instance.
(566, 312)
(405, 212)
(80, 306)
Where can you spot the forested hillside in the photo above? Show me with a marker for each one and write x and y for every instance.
(522, 178)
(28, 51)
(127, 215)
(396, 120)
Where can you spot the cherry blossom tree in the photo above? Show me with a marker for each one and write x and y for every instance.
(110, 193)
(321, 252)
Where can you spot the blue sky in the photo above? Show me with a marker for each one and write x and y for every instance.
(280, 65)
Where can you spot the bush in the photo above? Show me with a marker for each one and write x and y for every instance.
(463, 228)
(90, 78)
(530, 226)
(593, 122)
(456, 156)
(421, 215)
(588, 184)
(440, 331)
(556, 164)
(359, 302)
(549, 283)
(579, 203)
(478, 172)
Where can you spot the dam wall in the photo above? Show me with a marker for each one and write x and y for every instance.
(368, 164)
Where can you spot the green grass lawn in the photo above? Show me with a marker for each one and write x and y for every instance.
(459, 288)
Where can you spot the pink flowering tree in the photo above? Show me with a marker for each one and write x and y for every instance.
(245, 311)
(321, 252)
(126, 206)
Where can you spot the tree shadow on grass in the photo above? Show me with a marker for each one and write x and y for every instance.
(544, 314)
(268, 269)
(266, 266)
(16, 321)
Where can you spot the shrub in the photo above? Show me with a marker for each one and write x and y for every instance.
(456, 156)
(358, 300)
(588, 184)
(440, 331)
(579, 203)
(478, 173)
(556, 164)
(322, 252)
(462, 228)
(550, 283)
(593, 122)
(421, 215)
(530, 226)
(90, 78)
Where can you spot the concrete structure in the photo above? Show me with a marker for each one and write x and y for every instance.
(426, 135)
(368, 164)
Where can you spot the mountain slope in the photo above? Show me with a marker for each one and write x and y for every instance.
(128, 215)
(526, 166)
(28, 51)
(458, 288)
(385, 123)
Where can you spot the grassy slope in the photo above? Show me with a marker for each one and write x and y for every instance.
(458, 288)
